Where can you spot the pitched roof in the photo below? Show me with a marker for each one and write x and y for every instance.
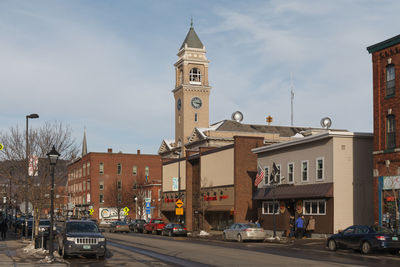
(192, 40)
(234, 126)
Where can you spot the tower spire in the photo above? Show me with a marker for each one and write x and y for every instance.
(191, 22)
(84, 144)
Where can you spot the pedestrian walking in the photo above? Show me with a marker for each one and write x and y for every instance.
(4, 229)
(300, 227)
(258, 223)
(291, 226)
(310, 226)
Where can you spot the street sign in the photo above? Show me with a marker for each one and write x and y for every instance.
(147, 199)
(179, 203)
(91, 211)
(148, 211)
(148, 205)
(179, 211)
(126, 209)
(22, 207)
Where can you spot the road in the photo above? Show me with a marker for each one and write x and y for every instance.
(148, 250)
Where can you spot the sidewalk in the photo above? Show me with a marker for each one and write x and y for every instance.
(12, 253)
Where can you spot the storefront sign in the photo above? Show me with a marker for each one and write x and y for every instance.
(175, 184)
(391, 182)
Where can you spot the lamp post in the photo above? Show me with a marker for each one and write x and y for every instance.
(30, 116)
(53, 157)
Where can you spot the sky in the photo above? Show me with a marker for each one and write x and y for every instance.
(107, 66)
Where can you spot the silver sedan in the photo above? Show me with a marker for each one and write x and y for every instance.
(244, 231)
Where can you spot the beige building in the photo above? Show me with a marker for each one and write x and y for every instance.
(326, 175)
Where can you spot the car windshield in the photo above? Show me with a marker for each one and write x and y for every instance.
(82, 227)
(381, 229)
(141, 221)
(158, 221)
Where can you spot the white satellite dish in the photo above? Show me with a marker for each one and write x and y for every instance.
(237, 116)
(326, 123)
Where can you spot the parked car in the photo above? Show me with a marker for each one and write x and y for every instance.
(244, 231)
(137, 225)
(154, 226)
(119, 226)
(173, 229)
(365, 238)
(78, 237)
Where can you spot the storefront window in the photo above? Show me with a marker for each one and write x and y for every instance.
(270, 207)
(314, 207)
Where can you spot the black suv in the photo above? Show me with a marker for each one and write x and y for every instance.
(81, 237)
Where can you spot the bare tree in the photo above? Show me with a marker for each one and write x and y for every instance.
(139, 196)
(40, 142)
(118, 196)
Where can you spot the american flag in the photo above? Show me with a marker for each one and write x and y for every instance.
(259, 176)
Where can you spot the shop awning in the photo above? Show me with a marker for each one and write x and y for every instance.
(294, 192)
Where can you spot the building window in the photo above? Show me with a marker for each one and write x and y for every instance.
(147, 171)
(101, 168)
(195, 117)
(101, 185)
(314, 207)
(119, 198)
(119, 185)
(134, 170)
(84, 185)
(290, 171)
(88, 168)
(390, 132)
(320, 169)
(84, 169)
(101, 198)
(195, 76)
(266, 175)
(119, 168)
(88, 185)
(304, 171)
(390, 80)
(134, 185)
(270, 207)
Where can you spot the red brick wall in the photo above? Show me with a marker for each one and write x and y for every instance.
(245, 169)
(110, 161)
(382, 105)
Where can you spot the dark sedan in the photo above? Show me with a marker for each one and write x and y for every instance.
(173, 229)
(137, 225)
(365, 238)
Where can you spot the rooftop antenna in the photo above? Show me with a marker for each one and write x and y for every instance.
(291, 99)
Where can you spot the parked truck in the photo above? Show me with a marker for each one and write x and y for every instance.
(154, 226)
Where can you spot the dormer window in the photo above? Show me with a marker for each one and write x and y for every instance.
(195, 76)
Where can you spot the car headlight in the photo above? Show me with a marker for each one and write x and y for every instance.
(41, 229)
(101, 239)
(71, 239)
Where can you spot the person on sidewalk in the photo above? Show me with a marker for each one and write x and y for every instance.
(3, 228)
(300, 227)
(291, 227)
(310, 226)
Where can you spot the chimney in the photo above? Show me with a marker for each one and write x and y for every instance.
(109, 150)
(138, 151)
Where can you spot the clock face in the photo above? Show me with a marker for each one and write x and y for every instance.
(179, 104)
(196, 102)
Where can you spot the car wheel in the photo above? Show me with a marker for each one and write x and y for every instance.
(394, 252)
(144, 231)
(332, 245)
(170, 234)
(154, 232)
(365, 247)
(239, 238)
(224, 236)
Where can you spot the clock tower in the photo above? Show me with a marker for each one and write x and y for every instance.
(192, 90)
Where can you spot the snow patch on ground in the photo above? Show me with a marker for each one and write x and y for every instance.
(203, 233)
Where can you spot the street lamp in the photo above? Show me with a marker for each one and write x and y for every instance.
(31, 116)
(53, 157)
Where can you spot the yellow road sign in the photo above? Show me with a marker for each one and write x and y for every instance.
(1, 146)
(179, 211)
(91, 211)
(179, 203)
(126, 209)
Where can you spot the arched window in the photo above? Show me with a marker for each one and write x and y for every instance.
(390, 80)
(195, 76)
(390, 132)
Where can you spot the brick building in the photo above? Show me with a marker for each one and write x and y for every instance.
(386, 154)
(108, 182)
